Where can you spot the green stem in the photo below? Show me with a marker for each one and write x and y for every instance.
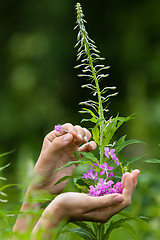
(100, 227)
(101, 115)
(100, 107)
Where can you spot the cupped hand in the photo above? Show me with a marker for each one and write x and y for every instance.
(57, 150)
(80, 206)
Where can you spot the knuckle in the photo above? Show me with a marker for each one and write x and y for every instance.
(46, 137)
(77, 126)
(67, 125)
(56, 140)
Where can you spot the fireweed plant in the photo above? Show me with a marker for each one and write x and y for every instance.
(105, 171)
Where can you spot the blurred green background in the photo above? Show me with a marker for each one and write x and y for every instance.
(39, 86)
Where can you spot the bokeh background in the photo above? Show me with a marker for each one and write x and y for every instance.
(39, 86)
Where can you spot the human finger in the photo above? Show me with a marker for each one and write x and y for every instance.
(53, 134)
(97, 209)
(124, 179)
(127, 195)
(80, 133)
(94, 203)
(128, 189)
(88, 147)
(49, 138)
(61, 141)
(135, 173)
(88, 135)
(68, 127)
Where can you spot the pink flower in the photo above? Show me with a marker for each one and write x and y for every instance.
(105, 168)
(91, 174)
(58, 128)
(101, 189)
(111, 153)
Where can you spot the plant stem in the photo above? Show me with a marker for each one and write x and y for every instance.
(100, 109)
(100, 112)
(100, 227)
(86, 45)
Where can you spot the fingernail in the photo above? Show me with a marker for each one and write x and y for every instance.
(118, 199)
(67, 137)
(93, 145)
(85, 139)
(80, 136)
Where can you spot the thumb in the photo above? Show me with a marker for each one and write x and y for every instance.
(105, 201)
(61, 142)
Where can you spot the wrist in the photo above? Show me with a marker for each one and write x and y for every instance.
(50, 218)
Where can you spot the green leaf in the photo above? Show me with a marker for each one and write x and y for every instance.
(109, 132)
(1, 168)
(4, 154)
(122, 139)
(140, 220)
(89, 162)
(90, 156)
(68, 165)
(154, 160)
(114, 225)
(123, 119)
(65, 178)
(95, 133)
(130, 230)
(82, 233)
(83, 181)
(83, 189)
(86, 227)
(93, 119)
(8, 185)
(132, 160)
(41, 198)
(89, 111)
(126, 143)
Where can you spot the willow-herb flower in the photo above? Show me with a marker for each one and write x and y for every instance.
(117, 188)
(58, 128)
(111, 153)
(103, 188)
(91, 174)
(105, 168)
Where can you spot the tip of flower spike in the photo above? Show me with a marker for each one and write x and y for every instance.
(58, 128)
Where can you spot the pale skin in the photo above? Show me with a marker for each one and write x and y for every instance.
(56, 151)
(82, 207)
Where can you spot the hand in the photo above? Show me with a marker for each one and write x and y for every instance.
(79, 206)
(57, 150)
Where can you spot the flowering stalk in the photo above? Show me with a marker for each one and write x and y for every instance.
(88, 49)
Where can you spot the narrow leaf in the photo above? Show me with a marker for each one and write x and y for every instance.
(64, 179)
(90, 156)
(154, 160)
(1, 168)
(82, 233)
(86, 227)
(68, 165)
(8, 185)
(130, 230)
(4, 154)
(126, 143)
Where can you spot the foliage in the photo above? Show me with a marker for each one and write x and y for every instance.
(31, 51)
